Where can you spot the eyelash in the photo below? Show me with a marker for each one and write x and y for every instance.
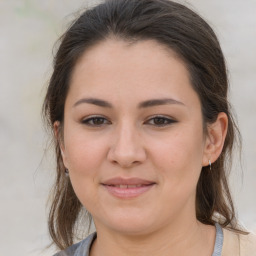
(164, 121)
(93, 119)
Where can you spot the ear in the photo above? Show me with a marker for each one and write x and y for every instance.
(58, 136)
(215, 138)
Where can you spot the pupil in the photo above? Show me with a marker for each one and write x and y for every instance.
(159, 121)
(98, 120)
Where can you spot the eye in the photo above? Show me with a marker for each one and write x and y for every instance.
(160, 121)
(95, 121)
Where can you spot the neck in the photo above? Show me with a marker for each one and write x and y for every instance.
(194, 238)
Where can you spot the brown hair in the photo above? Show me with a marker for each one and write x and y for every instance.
(181, 30)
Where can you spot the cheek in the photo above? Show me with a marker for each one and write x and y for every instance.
(84, 152)
(85, 157)
(179, 159)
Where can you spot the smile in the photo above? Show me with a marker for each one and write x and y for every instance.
(127, 188)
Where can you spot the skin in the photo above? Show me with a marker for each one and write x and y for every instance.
(127, 141)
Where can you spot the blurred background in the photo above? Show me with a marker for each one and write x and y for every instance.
(28, 31)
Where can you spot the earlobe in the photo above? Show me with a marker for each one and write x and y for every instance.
(216, 135)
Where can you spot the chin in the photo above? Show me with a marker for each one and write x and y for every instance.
(130, 224)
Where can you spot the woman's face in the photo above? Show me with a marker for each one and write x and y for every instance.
(133, 136)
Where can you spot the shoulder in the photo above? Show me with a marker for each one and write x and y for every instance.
(79, 249)
(248, 244)
(236, 244)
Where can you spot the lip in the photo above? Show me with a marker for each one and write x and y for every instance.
(127, 188)
(127, 181)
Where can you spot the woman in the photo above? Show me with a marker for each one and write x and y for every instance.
(138, 105)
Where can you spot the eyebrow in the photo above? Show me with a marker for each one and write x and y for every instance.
(144, 104)
(94, 101)
(158, 102)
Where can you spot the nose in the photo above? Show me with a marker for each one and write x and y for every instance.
(127, 149)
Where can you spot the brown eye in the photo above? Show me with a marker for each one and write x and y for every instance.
(161, 121)
(95, 121)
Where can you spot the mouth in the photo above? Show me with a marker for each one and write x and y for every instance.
(127, 188)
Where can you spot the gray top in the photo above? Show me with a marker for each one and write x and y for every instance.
(83, 248)
(218, 241)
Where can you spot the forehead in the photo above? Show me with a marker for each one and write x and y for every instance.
(126, 54)
(143, 69)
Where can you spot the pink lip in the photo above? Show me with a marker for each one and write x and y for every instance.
(125, 181)
(130, 188)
